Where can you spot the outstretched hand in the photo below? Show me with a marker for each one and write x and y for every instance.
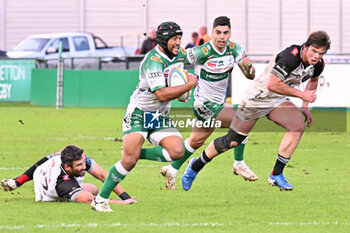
(247, 63)
(308, 117)
(130, 200)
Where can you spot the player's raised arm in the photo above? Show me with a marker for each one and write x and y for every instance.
(246, 66)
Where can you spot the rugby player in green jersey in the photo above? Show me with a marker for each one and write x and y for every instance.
(147, 113)
(213, 63)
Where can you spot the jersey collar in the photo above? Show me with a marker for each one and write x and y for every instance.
(217, 51)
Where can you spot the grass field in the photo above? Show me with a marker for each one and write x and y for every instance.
(217, 202)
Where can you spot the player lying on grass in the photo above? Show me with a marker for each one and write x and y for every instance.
(59, 177)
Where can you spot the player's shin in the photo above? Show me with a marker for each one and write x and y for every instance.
(201, 162)
(116, 174)
(238, 152)
(280, 164)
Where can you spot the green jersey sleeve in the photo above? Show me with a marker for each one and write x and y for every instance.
(198, 54)
(152, 71)
(237, 51)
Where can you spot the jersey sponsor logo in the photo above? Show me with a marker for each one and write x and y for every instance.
(232, 45)
(295, 51)
(65, 178)
(127, 122)
(156, 59)
(190, 54)
(203, 111)
(155, 75)
(181, 59)
(205, 50)
(211, 64)
(183, 51)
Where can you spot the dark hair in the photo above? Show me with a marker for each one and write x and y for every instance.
(70, 154)
(222, 21)
(318, 39)
(195, 34)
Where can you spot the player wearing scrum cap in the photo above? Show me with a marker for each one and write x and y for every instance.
(149, 106)
(214, 62)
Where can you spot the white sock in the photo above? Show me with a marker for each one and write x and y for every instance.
(172, 170)
(238, 163)
(188, 147)
(101, 199)
(166, 155)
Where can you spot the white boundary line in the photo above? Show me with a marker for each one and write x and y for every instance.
(14, 168)
(176, 224)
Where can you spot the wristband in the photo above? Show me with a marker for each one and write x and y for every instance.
(124, 196)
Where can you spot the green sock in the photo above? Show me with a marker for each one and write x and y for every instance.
(238, 152)
(178, 163)
(112, 180)
(154, 153)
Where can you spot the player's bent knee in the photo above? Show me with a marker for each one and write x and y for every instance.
(177, 152)
(197, 143)
(91, 188)
(296, 127)
(129, 162)
(231, 139)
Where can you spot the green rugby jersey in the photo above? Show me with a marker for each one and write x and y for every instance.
(213, 69)
(154, 70)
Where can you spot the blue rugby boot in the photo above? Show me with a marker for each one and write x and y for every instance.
(189, 175)
(281, 182)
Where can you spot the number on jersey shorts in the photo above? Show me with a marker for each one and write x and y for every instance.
(206, 110)
(134, 122)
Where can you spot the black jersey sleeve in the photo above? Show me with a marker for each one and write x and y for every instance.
(67, 188)
(318, 68)
(286, 61)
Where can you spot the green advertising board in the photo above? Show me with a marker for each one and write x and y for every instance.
(15, 79)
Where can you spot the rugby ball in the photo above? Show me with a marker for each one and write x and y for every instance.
(178, 77)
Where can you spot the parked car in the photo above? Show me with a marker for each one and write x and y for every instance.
(2, 53)
(84, 48)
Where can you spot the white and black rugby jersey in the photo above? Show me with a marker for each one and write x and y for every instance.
(52, 183)
(289, 67)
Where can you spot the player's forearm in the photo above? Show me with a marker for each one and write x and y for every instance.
(170, 93)
(276, 85)
(123, 202)
(311, 85)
